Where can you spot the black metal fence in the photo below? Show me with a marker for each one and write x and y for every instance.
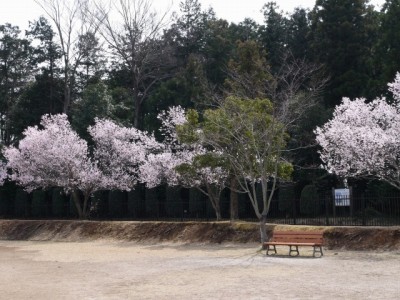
(177, 204)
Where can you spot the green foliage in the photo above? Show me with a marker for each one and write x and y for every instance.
(342, 41)
(38, 98)
(298, 30)
(273, 33)
(286, 198)
(376, 189)
(388, 47)
(309, 201)
(47, 50)
(285, 170)
(188, 133)
(15, 69)
(248, 71)
(217, 51)
(209, 160)
(246, 30)
(301, 136)
(190, 27)
(186, 88)
(251, 139)
(95, 102)
(121, 105)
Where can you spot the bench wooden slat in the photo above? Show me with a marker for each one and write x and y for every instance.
(293, 244)
(295, 239)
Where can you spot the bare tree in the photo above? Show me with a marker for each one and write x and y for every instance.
(72, 22)
(295, 88)
(135, 41)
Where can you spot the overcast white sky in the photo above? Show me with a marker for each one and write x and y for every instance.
(19, 12)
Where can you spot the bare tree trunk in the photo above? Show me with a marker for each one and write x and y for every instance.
(214, 199)
(77, 202)
(137, 113)
(69, 18)
(85, 207)
(218, 213)
(67, 98)
(136, 41)
(263, 228)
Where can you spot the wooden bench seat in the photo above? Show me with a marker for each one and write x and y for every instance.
(294, 239)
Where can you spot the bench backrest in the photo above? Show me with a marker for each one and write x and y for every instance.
(298, 237)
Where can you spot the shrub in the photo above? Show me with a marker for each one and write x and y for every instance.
(286, 198)
(309, 201)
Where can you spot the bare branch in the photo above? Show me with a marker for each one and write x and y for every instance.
(136, 43)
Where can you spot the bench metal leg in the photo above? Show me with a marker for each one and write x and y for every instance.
(319, 250)
(271, 249)
(296, 250)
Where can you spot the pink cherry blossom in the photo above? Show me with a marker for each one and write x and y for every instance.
(55, 156)
(362, 139)
(120, 152)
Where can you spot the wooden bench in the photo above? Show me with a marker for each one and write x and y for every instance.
(294, 239)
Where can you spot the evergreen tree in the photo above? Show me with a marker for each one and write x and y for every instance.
(47, 55)
(298, 34)
(190, 28)
(388, 49)
(340, 30)
(42, 96)
(273, 34)
(244, 31)
(95, 102)
(248, 71)
(15, 71)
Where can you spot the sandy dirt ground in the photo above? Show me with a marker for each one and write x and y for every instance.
(124, 270)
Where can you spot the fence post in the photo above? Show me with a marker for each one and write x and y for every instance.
(334, 204)
(364, 217)
(351, 201)
(326, 211)
(294, 210)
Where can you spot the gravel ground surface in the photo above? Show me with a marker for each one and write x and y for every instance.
(124, 270)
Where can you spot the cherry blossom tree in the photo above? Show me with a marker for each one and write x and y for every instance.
(362, 139)
(206, 172)
(3, 173)
(55, 156)
(121, 151)
(185, 163)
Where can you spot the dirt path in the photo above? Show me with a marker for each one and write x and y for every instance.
(111, 270)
